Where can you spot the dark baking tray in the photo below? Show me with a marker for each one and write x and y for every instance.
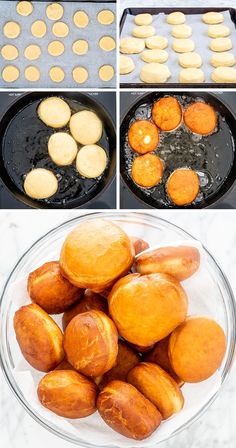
(135, 11)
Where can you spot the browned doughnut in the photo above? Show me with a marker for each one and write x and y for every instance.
(147, 170)
(143, 136)
(183, 186)
(167, 113)
(200, 118)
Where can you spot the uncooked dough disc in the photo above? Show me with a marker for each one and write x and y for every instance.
(91, 161)
(24, 8)
(11, 30)
(107, 43)
(156, 42)
(213, 18)
(39, 28)
(191, 59)
(131, 45)
(143, 19)
(54, 112)
(106, 72)
(80, 74)
(80, 46)
(56, 48)
(224, 74)
(10, 73)
(126, 64)
(62, 148)
(57, 74)
(40, 183)
(183, 45)
(106, 17)
(176, 18)
(60, 29)
(224, 59)
(143, 31)
(181, 31)
(218, 31)
(32, 52)
(191, 75)
(154, 73)
(86, 127)
(54, 11)
(221, 44)
(32, 73)
(9, 52)
(81, 19)
(154, 56)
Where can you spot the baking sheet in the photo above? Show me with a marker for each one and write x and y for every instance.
(92, 61)
(199, 36)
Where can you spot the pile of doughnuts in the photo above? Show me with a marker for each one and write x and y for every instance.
(84, 129)
(128, 344)
(182, 186)
(152, 49)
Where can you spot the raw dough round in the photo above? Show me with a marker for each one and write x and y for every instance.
(11, 30)
(154, 73)
(156, 42)
(57, 74)
(39, 28)
(9, 52)
(54, 112)
(213, 18)
(191, 75)
(86, 127)
(126, 65)
(143, 19)
(40, 183)
(224, 59)
(91, 161)
(224, 74)
(56, 48)
(60, 29)
(24, 8)
(154, 56)
(181, 31)
(32, 52)
(10, 73)
(106, 17)
(143, 31)
(221, 44)
(218, 31)
(54, 11)
(176, 18)
(191, 59)
(81, 19)
(183, 45)
(107, 43)
(62, 148)
(80, 46)
(106, 72)
(32, 73)
(80, 74)
(131, 45)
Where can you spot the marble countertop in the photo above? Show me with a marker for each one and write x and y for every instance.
(217, 230)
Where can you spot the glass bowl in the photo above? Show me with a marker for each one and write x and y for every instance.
(209, 293)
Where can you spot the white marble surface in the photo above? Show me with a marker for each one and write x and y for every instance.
(217, 230)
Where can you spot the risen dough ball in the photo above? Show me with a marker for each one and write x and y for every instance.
(212, 18)
(218, 31)
(40, 183)
(24, 8)
(54, 112)
(10, 73)
(154, 56)
(191, 59)
(11, 30)
(80, 74)
(183, 45)
(224, 59)
(156, 42)
(143, 31)
(86, 127)
(143, 19)
(131, 45)
(191, 75)
(126, 65)
(91, 161)
(32, 73)
(80, 46)
(181, 31)
(224, 74)
(154, 73)
(106, 72)
(56, 48)
(60, 29)
(106, 17)
(32, 52)
(81, 19)
(54, 11)
(62, 148)
(9, 52)
(107, 43)
(39, 28)
(176, 18)
(56, 74)
(221, 44)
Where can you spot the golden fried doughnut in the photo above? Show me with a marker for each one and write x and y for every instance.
(147, 170)
(139, 244)
(167, 113)
(143, 136)
(183, 186)
(200, 118)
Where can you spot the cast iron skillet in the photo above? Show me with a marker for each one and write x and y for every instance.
(213, 157)
(23, 146)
